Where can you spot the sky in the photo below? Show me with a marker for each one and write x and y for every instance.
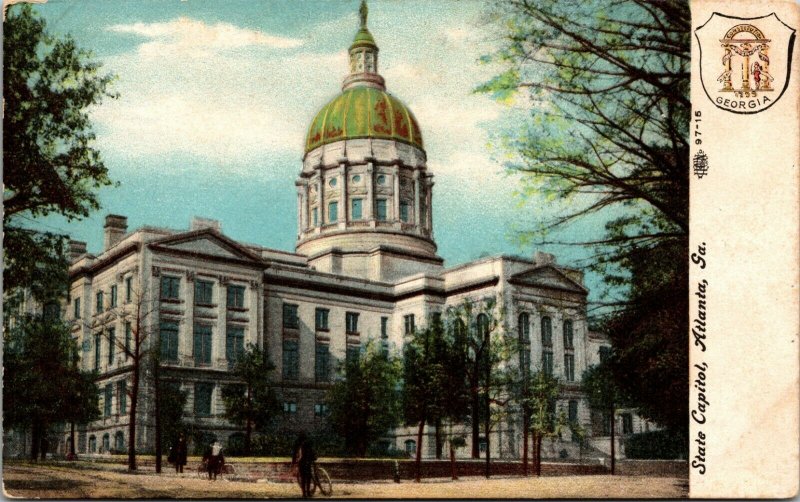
(215, 98)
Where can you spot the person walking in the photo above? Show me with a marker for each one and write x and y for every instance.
(179, 452)
(304, 457)
(215, 460)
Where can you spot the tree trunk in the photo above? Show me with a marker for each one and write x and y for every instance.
(418, 461)
(613, 446)
(72, 439)
(157, 390)
(537, 446)
(132, 419)
(476, 431)
(525, 445)
(248, 426)
(35, 442)
(438, 439)
(453, 462)
(488, 418)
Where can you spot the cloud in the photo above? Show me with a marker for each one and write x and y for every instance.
(192, 37)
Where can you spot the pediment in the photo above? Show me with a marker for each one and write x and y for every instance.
(547, 276)
(206, 243)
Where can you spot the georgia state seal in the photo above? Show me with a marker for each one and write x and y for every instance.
(745, 63)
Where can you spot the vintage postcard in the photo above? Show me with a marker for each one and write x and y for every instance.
(400, 249)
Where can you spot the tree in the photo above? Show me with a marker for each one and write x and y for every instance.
(43, 385)
(540, 398)
(251, 402)
(603, 96)
(171, 412)
(365, 404)
(600, 387)
(49, 163)
(486, 348)
(430, 391)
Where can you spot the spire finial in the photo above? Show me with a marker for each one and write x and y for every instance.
(363, 11)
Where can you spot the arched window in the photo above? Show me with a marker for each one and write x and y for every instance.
(568, 336)
(524, 328)
(411, 446)
(483, 324)
(547, 332)
(119, 442)
(92, 444)
(106, 443)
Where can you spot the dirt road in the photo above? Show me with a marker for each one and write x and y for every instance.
(58, 481)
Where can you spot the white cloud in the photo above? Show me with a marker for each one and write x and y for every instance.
(192, 37)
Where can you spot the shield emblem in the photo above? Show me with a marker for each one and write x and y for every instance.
(745, 63)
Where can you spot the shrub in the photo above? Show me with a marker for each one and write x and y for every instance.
(664, 445)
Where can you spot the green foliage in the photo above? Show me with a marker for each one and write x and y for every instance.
(540, 398)
(657, 445)
(42, 383)
(172, 402)
(251, 403)
(49, 164)
(366, 402)
(602, 101)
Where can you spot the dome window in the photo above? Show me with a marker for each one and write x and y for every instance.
(381, 179)
(356, 179)
(332, 182)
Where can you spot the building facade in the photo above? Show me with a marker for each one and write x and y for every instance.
(365, 268)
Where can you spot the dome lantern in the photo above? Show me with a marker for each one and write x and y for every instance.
(363, 57)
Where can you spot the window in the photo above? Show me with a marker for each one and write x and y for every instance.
(289, 407)
(355, 209)
(122, 397)
(76, 307)
(322, 362)
(524, 328)
(483, 325)
(572, 413)
(202, 344)
(380, 210)
(606, 419)
(404, 216)
(290, 319)
(384, 328)
(203, 292)
(605, 353)
(333, 212)
(569, 367)
(291, 361)
(436, 319)
(547, 332)
(106, 443)
(236, 297)
(128, 289)
(114, 295)
(568, 338)
(128, 334)
(321, 319)
(627, 423)
(408, 324)
(547, 362)
(411, 447)
(92, 444)
(51, 311)
(315, 216)
(108, 393)
(97, 352)
(170, 287)
(202, 398)
(169, 341)
(320, 410)
(119, 441)
(99, 303)
(234, 344)
(351, 323)
(352, 354)
(112, 342)
(482, 445)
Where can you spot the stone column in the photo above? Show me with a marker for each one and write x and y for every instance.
(218, 334)
(369, 204)
(396, 195)
(186, 330)
(323, 210)
(417, 196)
(254, 317)
(344, 210)
(429, 202)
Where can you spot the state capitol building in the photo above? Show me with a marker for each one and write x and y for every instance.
(365, 267)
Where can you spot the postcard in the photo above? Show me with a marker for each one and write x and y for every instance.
(374, 249)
